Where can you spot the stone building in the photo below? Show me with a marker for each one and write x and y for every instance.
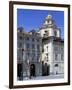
(29, 53)
(40, 53)
(53, 48)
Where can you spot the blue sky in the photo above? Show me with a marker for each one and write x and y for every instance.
(33, 19)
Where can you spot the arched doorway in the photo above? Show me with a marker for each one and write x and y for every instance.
(45, 69)
(32, 70)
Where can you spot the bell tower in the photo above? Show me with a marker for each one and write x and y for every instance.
(50, 28)
(48, 20)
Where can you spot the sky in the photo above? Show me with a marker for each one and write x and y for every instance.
(33, 19)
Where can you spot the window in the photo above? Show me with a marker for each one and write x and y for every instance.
(38, 47)
(33, 46)
(20, 37)
(42, 62)
(62, 49)
(42, 49)
(56, 56)
(55, 48)
(20, 45)
(37, 40)
(28, 54)
(56, 65)
(27, 46)
(46, 33)
(27, 38)
(33, 56)
(38, 57)
(47, 56)
(49, 22)
(47, 48)
(62, 57)
(33, 39)
(22, 50)
(55, 33)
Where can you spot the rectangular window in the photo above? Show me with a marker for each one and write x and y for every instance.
(55, 33)
(28, 56)
(38, 57)
(42, 49)
(56, 56)
(27, 38)
(33, 46)
(27, 45)
(47, 55)
(47, 48)
(20, 37)
(33, 39)
(62, 57)
(38, 47)
(38, 40)
(33, 56)
(19, 45)
(62, 49)
(55, 48)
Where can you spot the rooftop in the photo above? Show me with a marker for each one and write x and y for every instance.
(20, 30)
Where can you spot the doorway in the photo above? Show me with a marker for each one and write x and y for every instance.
(45, 69)
(32, 70)
(20, 71)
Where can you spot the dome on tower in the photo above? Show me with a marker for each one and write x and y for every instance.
(49, 22)
(49, 17)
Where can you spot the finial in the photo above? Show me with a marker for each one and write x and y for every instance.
(49, 16)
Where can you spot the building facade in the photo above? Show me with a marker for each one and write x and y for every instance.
(29, 53)
(40, 53)
(53, 47)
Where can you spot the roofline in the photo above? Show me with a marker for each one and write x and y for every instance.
(56, 39)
